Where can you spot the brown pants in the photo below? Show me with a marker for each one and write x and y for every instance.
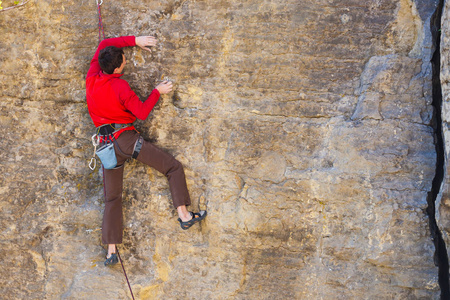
(112, 228)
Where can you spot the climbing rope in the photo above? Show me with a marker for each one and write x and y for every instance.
(101, 36)
(100, 22)
(125, 273)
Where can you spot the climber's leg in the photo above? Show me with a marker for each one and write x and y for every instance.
(172, 169)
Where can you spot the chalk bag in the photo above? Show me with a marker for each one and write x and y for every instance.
(107, 156)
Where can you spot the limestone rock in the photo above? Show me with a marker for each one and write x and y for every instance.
(443, 203)
(304, 129)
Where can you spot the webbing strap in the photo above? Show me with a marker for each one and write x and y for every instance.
(108, 129)
(138, 147)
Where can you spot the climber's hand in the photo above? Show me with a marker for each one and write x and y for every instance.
(164, 87)
(145, 41)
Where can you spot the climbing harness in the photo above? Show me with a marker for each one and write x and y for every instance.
(100, 22)
(125, 273)
(106, 153)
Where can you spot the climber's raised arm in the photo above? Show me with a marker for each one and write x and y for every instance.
(120, 42)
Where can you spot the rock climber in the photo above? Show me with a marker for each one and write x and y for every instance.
(113, 107)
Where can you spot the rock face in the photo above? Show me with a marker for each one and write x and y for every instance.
(443, 203)
(303, 126)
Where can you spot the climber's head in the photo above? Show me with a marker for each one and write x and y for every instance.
(112, 60)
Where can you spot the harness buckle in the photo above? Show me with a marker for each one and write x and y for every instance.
(137, 147)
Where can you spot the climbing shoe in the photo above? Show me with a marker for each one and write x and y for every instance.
(196, 217)
(112, 260)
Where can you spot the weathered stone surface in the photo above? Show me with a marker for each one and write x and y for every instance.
(443, 203)
(304, 128)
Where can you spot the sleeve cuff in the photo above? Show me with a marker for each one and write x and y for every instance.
(156, 92)
(130, 40)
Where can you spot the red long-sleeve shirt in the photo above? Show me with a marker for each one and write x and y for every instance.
(109, 98)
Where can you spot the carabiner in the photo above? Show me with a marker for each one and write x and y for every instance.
(95, 142)
(101, 2)
(93, 160)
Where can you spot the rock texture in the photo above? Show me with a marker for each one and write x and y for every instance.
(304, 128)
(443, 200)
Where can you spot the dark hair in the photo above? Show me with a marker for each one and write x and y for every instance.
(110, 58)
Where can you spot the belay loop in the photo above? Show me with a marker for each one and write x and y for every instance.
(100, 23)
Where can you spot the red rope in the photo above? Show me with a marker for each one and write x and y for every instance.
(100, 23)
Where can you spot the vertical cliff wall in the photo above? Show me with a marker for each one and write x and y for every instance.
(304, 127)
(443, 203)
